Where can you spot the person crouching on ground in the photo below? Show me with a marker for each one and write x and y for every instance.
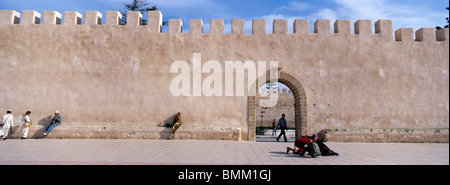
(324, 150)
(299, 146)
(305, 144)
(314, 149)
(56, 121)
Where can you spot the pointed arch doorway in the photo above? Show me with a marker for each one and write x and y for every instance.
(300, 104)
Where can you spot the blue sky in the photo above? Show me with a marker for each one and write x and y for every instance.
(403, 13)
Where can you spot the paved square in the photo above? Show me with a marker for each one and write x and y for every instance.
(187, 152)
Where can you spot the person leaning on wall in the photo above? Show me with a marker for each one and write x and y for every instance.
(177, 123)
(56, 121)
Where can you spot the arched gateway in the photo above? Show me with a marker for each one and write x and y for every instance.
(300, 105)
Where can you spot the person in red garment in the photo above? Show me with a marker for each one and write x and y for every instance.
(299, 145)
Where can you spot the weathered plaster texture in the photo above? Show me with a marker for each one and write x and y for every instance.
(110, 81)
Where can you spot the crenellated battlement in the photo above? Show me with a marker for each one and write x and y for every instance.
(282, 92)
(383, 27)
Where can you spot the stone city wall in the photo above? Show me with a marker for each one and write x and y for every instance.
(114, 81)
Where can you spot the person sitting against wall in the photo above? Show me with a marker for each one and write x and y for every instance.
(56, 121)
(177, 123)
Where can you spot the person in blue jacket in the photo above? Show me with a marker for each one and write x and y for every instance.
(283, 126)
(56, 121)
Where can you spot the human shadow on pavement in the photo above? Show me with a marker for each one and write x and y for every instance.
(281, 154)
(13, 131)
(39, 134)
(167, 131)
(290, 154)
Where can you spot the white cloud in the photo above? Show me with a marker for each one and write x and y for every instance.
(401, 15)
(184, 3)
(294, 6)
(324, 14)
(171, 3)
(361, 9)
(269, 22)
(321, 14)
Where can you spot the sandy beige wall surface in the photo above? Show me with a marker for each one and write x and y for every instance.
(118, 76)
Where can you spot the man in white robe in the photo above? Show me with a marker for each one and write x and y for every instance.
(8, 122)
(26, 123)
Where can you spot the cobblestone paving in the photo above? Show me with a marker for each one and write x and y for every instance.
(186, 152)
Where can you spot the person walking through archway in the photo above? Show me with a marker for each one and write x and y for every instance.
(274, 127)
(283, 126)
